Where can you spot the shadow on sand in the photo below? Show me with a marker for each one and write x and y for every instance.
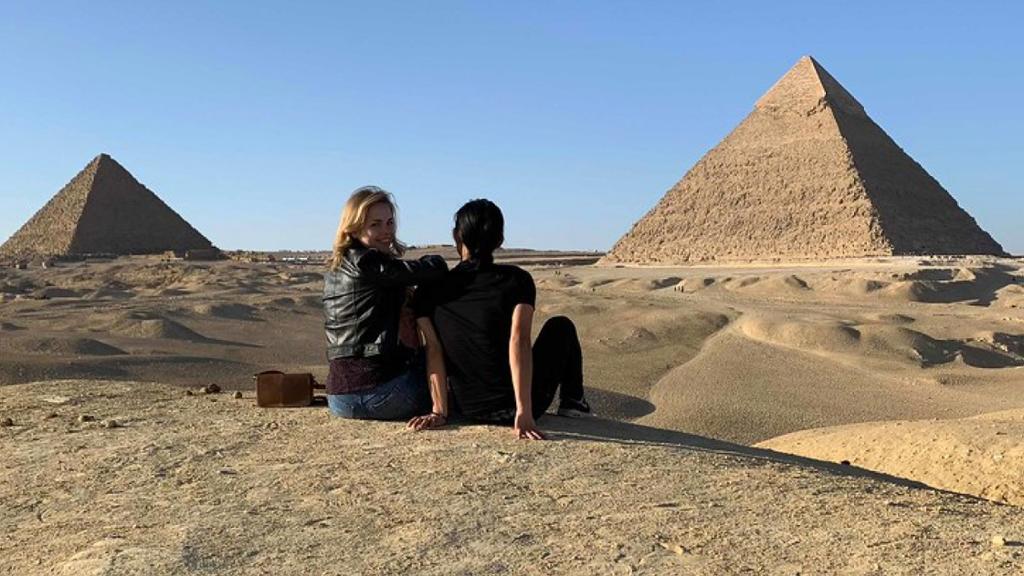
(601, 430)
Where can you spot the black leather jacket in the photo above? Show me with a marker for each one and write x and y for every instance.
(363, 300)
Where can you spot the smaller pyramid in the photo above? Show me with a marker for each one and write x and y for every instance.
(103, 210)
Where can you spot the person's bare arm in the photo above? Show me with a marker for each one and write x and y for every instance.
(437, 376)
(520, 358)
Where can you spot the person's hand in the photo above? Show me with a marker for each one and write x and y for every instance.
(427, 421)
(525, 427)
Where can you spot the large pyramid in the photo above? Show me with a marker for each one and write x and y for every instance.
(103, 210)
(806, 175)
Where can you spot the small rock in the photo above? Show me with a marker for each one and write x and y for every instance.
(111, 423)
(673, 548)
(227, 471)
(238, 395)
(7, 422)
(998, 541)
(51, 415)
(845, 462)
(211, 389)
(86, 418)
(189, 393)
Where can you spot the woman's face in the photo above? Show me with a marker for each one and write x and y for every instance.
(379, 230)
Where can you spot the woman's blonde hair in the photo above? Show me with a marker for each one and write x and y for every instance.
(353, 219)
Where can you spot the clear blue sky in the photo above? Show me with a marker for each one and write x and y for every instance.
(254, 120)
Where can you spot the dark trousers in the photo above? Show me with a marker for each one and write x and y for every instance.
(557, 364)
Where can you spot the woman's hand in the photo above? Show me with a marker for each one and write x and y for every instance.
(525, 427)
(427, 421)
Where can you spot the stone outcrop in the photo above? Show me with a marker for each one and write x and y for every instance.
(103, 210)
(807, 175)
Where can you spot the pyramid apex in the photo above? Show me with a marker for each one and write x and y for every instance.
(98, 159)
(805, 86)
(106, 162)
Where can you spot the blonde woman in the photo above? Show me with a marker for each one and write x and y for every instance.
(372, 374)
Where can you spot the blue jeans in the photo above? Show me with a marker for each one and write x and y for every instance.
(404, 396)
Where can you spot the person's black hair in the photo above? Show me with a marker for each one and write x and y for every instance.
(480, 227)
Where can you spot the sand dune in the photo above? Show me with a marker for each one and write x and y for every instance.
(983, 455)
(824, 336)
(229, 311)
(659, 283)
(804, 351)
(888, 318)
(773, 285)
(49, 292)
(150, 325)
(694, 284)
(747, 391)
(595, 283)
(109, 293)
(64, 347)
(560, 281)
(1011, 296)
(895, 343)
(859, 286)
(1008, 343)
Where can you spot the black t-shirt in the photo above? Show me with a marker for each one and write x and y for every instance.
(471, 308)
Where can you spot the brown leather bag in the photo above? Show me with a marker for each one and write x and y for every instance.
(275, 389)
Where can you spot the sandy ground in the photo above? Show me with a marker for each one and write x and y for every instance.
(215, 485)
(912, 367)
(980, 455)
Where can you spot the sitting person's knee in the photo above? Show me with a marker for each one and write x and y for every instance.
(560, 324)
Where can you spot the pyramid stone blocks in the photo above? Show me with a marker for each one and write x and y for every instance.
(807, 175)
(103, 210)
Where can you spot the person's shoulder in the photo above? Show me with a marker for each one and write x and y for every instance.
(516, 278)
(350, 263)
(513, 271)
(365, 258)
(523, 277)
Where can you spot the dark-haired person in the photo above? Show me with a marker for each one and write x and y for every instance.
(372, 374)
(480, 314)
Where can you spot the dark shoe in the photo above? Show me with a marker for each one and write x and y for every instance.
(574, 409)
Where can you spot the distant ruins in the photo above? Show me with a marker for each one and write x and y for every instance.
(104, 210)
(807, 175)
